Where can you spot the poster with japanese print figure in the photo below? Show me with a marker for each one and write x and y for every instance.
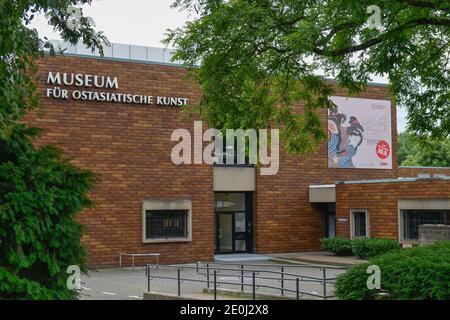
(359, 133)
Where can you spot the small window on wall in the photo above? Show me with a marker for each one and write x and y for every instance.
(166, 221)
(359, 223)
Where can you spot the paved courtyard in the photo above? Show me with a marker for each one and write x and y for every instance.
(130, 284)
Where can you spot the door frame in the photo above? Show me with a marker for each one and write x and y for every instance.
(248, 221)
(330, 210)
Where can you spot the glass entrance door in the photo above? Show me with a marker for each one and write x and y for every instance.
(233, 222)
(225, 232)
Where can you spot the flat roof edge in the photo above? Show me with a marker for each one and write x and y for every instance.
(86, 56)
(369, 83)
(318, 186)
(406, 179)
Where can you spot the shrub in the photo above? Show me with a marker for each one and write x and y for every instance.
(339, 246)
(420, 273)
(366, 248)
(41, 193)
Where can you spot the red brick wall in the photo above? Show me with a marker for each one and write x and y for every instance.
(129, 147)
(381, 200)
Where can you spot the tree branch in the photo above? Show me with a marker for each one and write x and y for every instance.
(337, 29)
(381, 37)
(424, 4)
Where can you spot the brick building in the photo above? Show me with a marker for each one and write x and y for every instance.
(391, 208)
(115, 116)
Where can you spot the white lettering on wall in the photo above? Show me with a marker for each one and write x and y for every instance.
(81, 80)
(101, 82)
(53, 79)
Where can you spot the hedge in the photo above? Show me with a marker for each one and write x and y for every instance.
(420, 273)
(366, 248)
(339, 246)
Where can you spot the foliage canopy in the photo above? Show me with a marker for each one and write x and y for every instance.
(411, 152)
(258, 57)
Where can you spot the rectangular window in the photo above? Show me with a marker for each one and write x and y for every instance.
(166, 220)
(412, 219)
(163, 224)
(359, 223)
(232, 151)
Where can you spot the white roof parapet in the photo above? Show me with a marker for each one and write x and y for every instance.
(119, 51)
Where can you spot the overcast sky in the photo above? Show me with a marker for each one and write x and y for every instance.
(142, 22)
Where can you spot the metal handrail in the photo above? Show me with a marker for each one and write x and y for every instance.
(302, 277)
(277, 265)
(313, 279)
(218, 283)
(243, 272)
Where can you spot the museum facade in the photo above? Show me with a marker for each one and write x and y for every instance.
(115, 116)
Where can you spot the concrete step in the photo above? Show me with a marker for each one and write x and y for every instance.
(240, 257)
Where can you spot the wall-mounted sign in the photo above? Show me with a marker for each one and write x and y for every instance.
(86, 81)
(343, 220)
(359, 134)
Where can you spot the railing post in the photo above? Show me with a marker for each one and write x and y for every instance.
(297, 286)
(179, 282)
(242, 277)
(148, 279)
(282, 281)
(324, 283)
(215, 284)
(254, 286)
(207, 275)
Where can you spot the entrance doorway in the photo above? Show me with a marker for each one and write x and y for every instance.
(234, 222)
(330, 220)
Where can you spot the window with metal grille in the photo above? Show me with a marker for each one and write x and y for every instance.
(412, 219)
(161, 224)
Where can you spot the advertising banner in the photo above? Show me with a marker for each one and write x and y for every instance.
(359, 133)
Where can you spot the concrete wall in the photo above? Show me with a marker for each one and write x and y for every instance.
(234, 179)
(429, 233)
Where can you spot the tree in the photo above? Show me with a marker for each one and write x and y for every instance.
(406, 146)
(40, 195)
(40, 191)
(21, 45)
(431, 154)
(258, 57)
